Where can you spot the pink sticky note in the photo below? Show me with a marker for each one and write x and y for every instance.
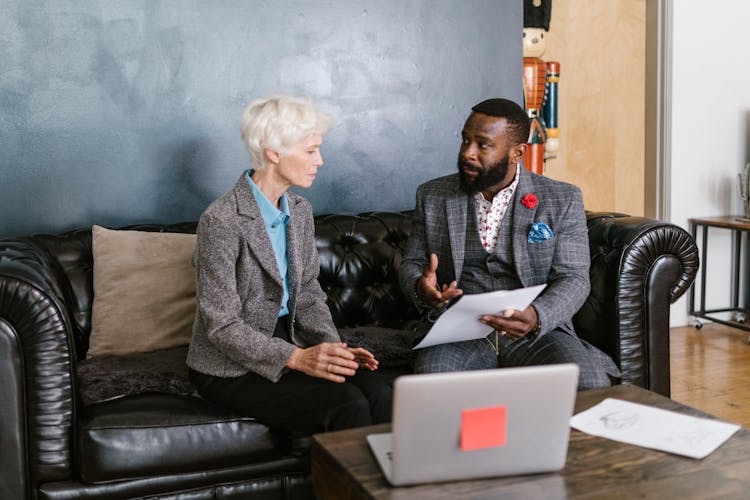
(483, 427)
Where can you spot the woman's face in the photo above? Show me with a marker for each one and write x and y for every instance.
(300, 165)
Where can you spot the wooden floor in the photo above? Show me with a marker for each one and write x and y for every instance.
(710, 370)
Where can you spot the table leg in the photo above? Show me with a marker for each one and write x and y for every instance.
(704, 256)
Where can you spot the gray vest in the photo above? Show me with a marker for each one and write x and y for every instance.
(487, 272)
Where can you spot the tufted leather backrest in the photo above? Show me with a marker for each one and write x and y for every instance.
(359, 260)
(360, 256)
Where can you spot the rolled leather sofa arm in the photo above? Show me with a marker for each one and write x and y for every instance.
(639, 267)
(37, 396)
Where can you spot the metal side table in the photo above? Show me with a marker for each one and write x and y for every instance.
(737, 316)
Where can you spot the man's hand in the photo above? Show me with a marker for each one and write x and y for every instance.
(512, 323)
(331, 360)
(426, 287)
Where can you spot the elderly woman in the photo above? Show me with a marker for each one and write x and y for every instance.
(264, 343)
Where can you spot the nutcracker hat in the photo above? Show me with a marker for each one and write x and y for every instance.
(537, 13)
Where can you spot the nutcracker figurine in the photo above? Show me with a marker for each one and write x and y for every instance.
(540, 80)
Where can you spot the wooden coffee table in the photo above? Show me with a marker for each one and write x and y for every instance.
(343, 466)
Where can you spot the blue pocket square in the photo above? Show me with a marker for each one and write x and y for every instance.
(540, 232)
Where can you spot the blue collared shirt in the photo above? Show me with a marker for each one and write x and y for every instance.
(275, 221)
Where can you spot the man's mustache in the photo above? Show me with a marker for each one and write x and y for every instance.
(464, 165)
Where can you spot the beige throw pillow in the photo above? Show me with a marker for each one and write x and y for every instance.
(144, 291)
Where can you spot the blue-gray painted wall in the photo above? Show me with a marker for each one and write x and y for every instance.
(117, 112)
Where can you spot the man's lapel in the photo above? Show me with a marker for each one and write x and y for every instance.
(456, 213)
(252, 224)
(522, 219)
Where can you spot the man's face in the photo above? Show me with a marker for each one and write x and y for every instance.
(484, 157)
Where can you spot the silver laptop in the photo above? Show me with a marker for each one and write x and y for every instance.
(474, 424)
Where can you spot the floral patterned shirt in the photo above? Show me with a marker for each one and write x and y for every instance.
(491, 213)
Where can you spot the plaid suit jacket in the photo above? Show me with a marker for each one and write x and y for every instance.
(562, 262)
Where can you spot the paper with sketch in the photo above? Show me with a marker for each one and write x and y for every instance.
(461, 321)
(654, 428)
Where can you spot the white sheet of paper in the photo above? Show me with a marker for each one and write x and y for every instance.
(654, 428)
(461, 321)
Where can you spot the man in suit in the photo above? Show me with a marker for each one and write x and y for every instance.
(496, 226)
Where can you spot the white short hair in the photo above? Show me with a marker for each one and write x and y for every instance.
(279, 122)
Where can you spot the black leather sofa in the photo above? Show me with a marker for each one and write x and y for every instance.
(172, 446)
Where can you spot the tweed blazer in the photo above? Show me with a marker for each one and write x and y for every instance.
(562, 262)
(239, 289)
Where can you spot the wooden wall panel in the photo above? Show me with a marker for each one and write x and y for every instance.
(601, 49)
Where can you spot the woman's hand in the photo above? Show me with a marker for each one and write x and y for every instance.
(332, 361)
(364, 357)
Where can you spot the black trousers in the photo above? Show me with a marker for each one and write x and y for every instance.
(299, 402)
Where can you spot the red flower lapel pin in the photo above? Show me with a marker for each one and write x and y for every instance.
(530, 200)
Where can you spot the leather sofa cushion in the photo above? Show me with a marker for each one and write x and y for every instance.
(157, 434)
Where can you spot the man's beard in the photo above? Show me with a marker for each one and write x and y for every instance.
(492, 175)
